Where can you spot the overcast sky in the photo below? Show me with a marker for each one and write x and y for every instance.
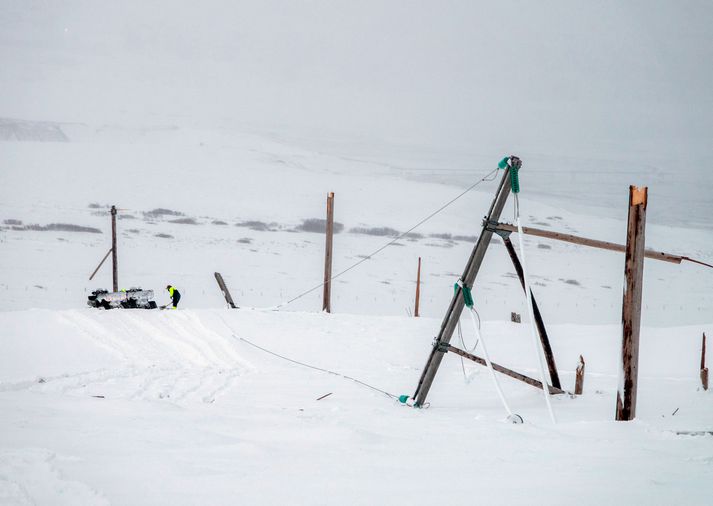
(550, 74)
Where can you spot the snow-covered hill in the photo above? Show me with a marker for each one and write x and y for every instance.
(142, 407)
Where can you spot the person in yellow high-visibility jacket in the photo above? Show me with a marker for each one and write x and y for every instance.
(174, 294)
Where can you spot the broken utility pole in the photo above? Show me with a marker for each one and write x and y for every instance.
(631, 306)
(327, 294)
(579, 377)
(115, 266)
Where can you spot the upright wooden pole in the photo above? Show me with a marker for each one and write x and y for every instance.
(579, 377)
(456, 306)
(114, 262)
(541, 330)
(327, 295)
(418, 288)
(631, 306)
(704, 369)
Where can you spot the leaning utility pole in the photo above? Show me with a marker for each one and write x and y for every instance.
(327, 294)
(631, 306)
(115, 267)
(224, 290)
(440, 345)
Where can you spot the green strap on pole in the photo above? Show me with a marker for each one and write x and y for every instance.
(467, 294)
(514, 173)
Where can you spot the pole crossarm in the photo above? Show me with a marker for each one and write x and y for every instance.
(501, 369)
(496, 227)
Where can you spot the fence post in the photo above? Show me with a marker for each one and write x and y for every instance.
(418, 289)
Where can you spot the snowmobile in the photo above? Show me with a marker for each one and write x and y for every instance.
(133, 298)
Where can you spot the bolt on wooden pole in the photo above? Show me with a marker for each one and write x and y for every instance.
(418, 288)
(115, 266)
(631, 306)
(327, 294)
(579, 377)
(704, 369)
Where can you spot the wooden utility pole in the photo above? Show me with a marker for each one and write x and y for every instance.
(704, 369)
(418, 288)
(541, 330)
(468, 278)
(327, 295)
(224, 289)
(631, 306)
(579, 374)
(115, 266)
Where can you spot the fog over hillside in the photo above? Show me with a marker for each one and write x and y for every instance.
(616, 93)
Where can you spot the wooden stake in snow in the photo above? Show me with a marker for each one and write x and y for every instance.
(224, 289)
(579, 377)
(631, 306)
(704, 369)
(114, 261)
(418, 288)
(327, 294)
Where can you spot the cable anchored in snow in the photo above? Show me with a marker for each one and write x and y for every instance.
(392, 396)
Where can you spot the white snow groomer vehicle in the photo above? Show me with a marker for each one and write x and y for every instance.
(133, 298)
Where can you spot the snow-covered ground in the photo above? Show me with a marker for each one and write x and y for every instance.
(219, 129)
(139, 407)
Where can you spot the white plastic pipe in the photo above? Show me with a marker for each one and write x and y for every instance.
(490, 365)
